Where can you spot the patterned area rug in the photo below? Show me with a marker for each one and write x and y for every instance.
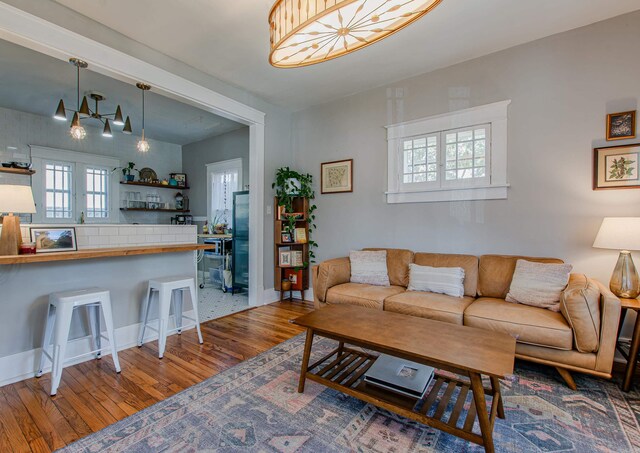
(254, 406)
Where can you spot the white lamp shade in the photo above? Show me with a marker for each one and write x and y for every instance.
(619, 233)
(16, 199)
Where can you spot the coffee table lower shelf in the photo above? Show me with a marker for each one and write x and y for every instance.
(343, 369)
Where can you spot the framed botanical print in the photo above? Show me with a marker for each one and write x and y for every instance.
(337, 176)
(616, 167)
(621, 125)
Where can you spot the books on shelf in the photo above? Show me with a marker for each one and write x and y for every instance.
(290, 258)
(300, 235)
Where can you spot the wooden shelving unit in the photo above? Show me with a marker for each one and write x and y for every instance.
(150, 184)
(153, 210)
(299, 205)
(17, 171)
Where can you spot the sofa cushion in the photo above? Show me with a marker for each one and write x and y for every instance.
(580, 305)
(369, 267)
(442, 280)
(331, 273)
(429, 305)
(496, 271)
(397, 265)
(369, 296)
(527, 324)
(468, 262)
(539, 284)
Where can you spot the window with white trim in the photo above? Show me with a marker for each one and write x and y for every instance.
(223, 178)
(455, 156)
(69, 183)
(97, 192)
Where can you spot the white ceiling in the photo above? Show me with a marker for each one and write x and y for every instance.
(33, 82)
(230, 40)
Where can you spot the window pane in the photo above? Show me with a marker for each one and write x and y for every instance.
(432, 155)
(465, 163)
(465, 136)
(432, 176)
(419, 168)
(419, 156)
(450, 175)
(479, 147)
(479, 162)
(408, 161)
(478, 172)
(57, 190)
(451, 138)
(420, 143)
(451, 152)
(432, 141)
(451, 165)
(432, 167)
(407, 178)
(464, 174)
(465, 150)
(419, 177)
(408, 144)
(97, 193)
(480, 133)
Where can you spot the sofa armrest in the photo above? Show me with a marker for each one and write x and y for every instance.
(329, 273)
(610, 318)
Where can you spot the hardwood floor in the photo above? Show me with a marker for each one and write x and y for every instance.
(92, 396)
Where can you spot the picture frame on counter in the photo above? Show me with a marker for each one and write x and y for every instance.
(616, 167)
(50, 240)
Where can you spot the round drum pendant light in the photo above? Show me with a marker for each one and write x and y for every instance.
(306, 32)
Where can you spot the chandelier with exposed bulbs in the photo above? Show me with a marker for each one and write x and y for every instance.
(306, 32)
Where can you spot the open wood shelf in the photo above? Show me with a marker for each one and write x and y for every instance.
(17, 171)
(299, 205)
(152, 210)
(151, 184)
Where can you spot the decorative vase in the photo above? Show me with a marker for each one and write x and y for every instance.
(624, 280)
(285, 285)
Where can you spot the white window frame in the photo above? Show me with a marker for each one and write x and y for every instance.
(491, 188)
(80, 161)
(219, 167)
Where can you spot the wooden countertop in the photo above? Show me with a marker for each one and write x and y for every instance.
(101, 253)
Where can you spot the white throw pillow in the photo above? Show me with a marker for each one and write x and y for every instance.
(443, 280)
(539, 284)
(369, 267)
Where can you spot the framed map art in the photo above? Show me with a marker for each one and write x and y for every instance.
(616, 167)
(337, 176)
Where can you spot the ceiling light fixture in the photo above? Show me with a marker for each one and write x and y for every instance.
(307, 32)
(143, 145)
(84, 111)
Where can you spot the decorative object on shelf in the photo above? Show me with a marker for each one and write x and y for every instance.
(205, 227)
(621, 125)
(283, 186)
(307, 32)
(83, 111)
(165, 182)
(337, 176)
(616, 167)
(295, 277)
(126, 171)
(621, 233)
(300, 235)
(28, 248)
(143, 144)
(179, 201)
(180, 178)
(285, 285)
(284, 257)
(147, 175)
(14, 199)
(50, 240)
(286, 237)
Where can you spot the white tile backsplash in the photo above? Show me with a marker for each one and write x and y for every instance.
(88, 236)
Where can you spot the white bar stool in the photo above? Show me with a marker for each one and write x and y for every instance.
(60, 312)
(169, 292)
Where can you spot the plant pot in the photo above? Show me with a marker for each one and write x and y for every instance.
(285, 285)
(129, 178)
(292, 186)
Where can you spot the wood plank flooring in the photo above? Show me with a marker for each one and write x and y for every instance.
(92, 396)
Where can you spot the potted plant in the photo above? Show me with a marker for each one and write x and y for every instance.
(126, 171)
(290, 184)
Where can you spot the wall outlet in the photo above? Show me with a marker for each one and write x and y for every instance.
(268, 209)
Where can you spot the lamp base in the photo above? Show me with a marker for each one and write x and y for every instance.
(11, 237)
(625, 282)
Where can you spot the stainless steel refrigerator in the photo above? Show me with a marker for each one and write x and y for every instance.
(240, 240)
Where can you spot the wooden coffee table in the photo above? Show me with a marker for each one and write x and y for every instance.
(466, 353)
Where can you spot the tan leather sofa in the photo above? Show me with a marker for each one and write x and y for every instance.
(580, 338)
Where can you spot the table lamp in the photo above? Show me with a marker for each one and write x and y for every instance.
(14, 199)
(621, 233)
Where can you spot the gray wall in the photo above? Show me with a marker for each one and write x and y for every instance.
(196, 156)
(561, 89)
(277, 120)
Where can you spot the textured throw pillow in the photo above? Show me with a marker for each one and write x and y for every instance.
(369, 268)
(443, 280)
(539, 284)
(580, 305)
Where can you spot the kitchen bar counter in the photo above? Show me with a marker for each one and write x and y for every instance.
(102, 253)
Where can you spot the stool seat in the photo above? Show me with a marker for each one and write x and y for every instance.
(168, 291)
(59, 314)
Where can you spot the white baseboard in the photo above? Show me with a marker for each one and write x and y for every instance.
(23, 365)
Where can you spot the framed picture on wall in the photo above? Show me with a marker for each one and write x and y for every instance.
(337, 176)
(180, 178)
(616, 167)
(49, 240)
(621, 125)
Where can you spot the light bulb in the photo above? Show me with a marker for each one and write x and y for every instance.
(143, 146)
(77, 132)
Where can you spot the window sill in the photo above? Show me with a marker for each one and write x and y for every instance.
(495, 192)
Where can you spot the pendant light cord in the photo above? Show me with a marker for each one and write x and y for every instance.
(78, 86)
(143, 111)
